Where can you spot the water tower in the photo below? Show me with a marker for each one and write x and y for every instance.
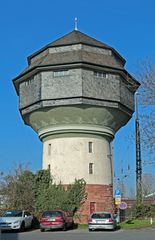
(76, 94)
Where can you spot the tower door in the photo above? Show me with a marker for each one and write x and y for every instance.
(92, 207)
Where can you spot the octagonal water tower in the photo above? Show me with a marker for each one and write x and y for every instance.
(76, 94)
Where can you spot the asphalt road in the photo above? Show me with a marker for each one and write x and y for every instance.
(145, 234)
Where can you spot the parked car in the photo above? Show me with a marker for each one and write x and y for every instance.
(56, 219)
(101, 220)
(16, 220)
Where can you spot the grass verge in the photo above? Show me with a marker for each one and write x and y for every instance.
(137, 223)
(82, 226)
(129, 224)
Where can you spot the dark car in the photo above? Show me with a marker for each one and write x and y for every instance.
(101, 220)
(56, 219)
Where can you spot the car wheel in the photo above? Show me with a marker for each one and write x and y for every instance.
(42, 230)
(115, 228)
(32, 224)
(72, 225)
(90, 230)
(22, 228)
(65, 227)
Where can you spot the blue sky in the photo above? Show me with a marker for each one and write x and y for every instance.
(28, 25)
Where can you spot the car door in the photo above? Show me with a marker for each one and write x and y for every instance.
(28, 219)
(69, 219)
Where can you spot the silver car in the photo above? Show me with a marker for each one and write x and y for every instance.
(16, 220)
(101, 220)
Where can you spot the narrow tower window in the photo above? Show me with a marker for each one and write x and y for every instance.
(28, 82)
(100, 74)
(90, 147)
(49, 167)
(49, 149)
(60, 73)
(91, 168)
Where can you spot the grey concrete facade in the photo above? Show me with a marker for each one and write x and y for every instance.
(78, 87)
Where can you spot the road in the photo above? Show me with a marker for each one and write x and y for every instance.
(145, 234)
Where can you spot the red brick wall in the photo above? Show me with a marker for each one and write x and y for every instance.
(131, 202)
(101, 195)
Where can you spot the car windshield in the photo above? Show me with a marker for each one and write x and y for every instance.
(12, 214)
(101, 215)
(52, 214)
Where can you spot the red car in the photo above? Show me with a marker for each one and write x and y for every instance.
(56, 219)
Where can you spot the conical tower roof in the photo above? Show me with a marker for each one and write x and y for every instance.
(77, 37)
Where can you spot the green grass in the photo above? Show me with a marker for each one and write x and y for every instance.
(137, 223)
(129, 224)
(82, 226)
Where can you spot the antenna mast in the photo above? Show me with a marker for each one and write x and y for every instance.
(75, 24)
(138, 158)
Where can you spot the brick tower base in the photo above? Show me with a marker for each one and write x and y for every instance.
(99, 198)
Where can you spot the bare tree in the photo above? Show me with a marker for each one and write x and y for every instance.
(148, 184)
(131, 194)
(17, 189)
(147, 100)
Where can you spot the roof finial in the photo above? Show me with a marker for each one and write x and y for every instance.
(75, 24)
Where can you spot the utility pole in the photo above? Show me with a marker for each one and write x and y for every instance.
(138, 157)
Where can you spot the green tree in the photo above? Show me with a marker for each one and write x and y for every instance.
(42, 181)
(143, 210)
(76, 195)
(37, 192)
(56, 196)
